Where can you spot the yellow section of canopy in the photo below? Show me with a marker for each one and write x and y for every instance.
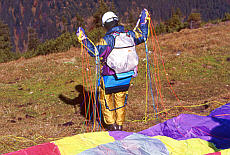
(194, 146)
(81, 142)
(225, 152)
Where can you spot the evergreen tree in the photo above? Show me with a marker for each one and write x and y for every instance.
(175, 22)
(80, 22)
(179, 13)
(33, 40)
(113, 6)
(103, 8)
(194, 20)
(226, 17)
(5, 43)
(98, 31)
(64, 22)
(131, 20)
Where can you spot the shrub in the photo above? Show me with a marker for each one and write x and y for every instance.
(29, 54)
(6, 56)
(226, 17)
(60, 44)
(96, 34)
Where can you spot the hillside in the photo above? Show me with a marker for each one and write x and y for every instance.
(50, 18)
(197, 63)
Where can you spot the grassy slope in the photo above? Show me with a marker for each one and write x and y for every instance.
(29, 89)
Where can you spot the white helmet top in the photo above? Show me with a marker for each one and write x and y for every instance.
(109, 17)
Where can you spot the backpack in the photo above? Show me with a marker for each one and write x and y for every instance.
(123, 58)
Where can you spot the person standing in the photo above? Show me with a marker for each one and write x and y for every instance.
(119, 59)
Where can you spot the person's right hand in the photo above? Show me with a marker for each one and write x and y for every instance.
(144, 16)
(81, 34)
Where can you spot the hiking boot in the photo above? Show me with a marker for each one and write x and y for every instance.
(119, 127)
(112, 127)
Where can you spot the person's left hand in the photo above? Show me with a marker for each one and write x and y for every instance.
(81, 34)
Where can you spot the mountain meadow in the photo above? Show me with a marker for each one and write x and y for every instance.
(41, 95)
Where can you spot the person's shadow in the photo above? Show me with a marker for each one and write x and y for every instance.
(86, 101)
(221, 133)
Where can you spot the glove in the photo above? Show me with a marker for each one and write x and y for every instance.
(144, 16)
(81, 34)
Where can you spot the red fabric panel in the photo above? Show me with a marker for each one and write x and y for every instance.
(215, 153)
(42, 149)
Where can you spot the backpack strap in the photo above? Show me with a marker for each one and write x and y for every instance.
(123, 47)
(115, 34)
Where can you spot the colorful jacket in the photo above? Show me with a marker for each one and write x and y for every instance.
(106, 44)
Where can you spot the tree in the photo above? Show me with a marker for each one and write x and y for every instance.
(226, 17)
(179, 13)
(194, 20)
(113, 6)
(103, 8)
(5, 43)
(175, 22)
(64, 22)
(97, 31)
(33, 40)
(80, 22)
(131, 20)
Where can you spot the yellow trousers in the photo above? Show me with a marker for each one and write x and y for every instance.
(113, 101)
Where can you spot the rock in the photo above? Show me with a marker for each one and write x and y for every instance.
(12, 121)
(172, 82)
(68, 123)
(29, 116)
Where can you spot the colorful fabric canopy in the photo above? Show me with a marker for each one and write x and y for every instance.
(185, 134)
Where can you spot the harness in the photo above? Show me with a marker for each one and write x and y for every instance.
(122, 59)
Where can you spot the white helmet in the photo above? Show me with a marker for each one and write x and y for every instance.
(109, 17)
